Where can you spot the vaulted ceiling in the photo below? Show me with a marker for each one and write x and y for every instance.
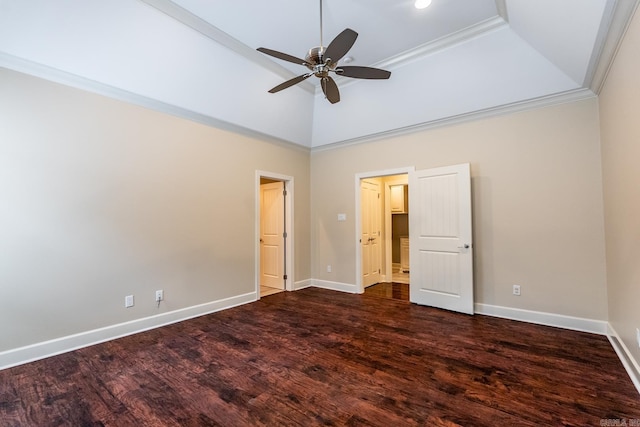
(455, 60)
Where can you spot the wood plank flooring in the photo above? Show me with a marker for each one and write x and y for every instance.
(318, 357)
(392, 290)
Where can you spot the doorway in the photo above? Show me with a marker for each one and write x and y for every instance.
(274, 237)
(374, 245)
(385, 218)
(440, 236)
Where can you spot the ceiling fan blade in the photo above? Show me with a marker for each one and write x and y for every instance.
(341, 45)
(282, 56)
(291, 82)
(362, 72)
(330, 89)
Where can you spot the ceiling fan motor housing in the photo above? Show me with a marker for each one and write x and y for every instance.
(316, 62)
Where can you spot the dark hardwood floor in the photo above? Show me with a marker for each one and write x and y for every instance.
(317, 357)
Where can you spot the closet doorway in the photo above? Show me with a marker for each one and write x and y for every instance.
(274, 233)
(379, 248)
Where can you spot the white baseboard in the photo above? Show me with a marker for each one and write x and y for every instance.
(541, 318)
(336, 286)
(302, 284)
(33, 352)
(628, 361)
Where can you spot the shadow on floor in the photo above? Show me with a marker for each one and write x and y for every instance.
(399, 291)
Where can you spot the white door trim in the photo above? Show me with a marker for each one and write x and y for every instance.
(289, 215)
(358, 213)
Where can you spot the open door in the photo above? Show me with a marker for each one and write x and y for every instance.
(272, 235)
(370, 239)
(441, 249)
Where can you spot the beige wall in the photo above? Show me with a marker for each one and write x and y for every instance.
(100, 199)
(537, 200)
(620, 127)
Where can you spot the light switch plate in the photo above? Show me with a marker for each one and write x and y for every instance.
(342, 217)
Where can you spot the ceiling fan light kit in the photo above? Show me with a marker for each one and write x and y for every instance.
(321, 61)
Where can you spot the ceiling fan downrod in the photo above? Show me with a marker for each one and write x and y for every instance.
(315, 57)
(321, 45)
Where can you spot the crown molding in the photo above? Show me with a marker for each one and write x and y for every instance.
(544, 101)
(616, 21)
(442, 43)
(68, 79)
(445, 42)
(73, 80)
(198, 24)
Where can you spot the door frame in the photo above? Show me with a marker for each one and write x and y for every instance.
(358, 215)
(288, 228)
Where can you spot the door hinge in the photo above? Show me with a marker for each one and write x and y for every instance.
(284, 193)
(285, 277)
(284, 234)
(378, 195)
(378, 271)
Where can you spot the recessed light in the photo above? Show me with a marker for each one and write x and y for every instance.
(422, 4)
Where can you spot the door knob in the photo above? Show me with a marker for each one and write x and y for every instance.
(465, 246)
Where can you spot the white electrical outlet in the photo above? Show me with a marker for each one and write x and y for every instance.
(128, 301)
(516, 290)
(159, 295)
(329, 268)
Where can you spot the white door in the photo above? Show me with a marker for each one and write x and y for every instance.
(370, 206)
(272, 235)
(441, 250)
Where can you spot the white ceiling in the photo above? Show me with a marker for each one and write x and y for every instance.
(564, 31)
(386, 28)
(456, 60)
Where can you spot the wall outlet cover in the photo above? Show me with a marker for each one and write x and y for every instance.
(128, 301)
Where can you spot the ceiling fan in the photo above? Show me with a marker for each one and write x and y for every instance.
(324, 60)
